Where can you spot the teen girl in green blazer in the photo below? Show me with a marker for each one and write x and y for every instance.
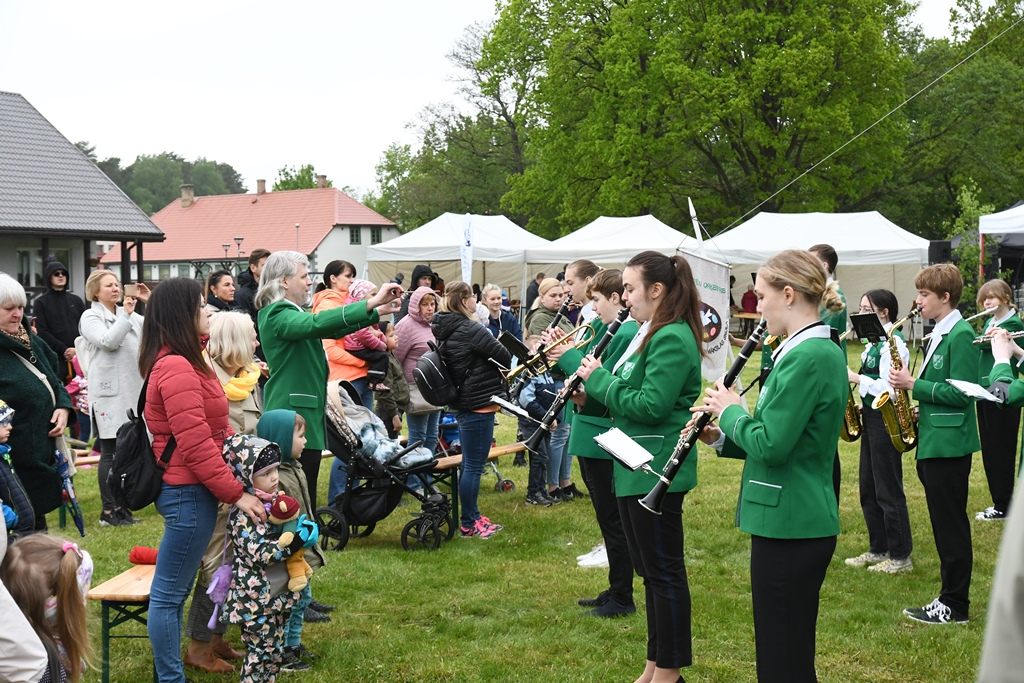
(591, 419)
(648, 391)
(787, 501)
(998, 425)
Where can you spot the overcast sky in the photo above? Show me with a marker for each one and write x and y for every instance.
(256, 84)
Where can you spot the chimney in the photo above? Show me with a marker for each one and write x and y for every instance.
(321, 182)
(188, 196)
(261, 187)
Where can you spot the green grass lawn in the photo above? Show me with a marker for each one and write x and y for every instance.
(504, 609)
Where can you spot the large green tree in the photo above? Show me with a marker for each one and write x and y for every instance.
(301, 178)
(645, 103)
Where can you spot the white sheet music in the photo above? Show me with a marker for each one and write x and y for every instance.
(628, 452)
(974, 390)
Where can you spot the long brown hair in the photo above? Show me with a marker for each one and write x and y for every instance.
(171, 321)
(37, 567)
(680, 299)
(455, 293)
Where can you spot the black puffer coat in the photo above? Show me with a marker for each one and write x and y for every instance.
(473, 357)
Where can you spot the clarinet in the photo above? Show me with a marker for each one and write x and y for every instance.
(572, 385)
(563, 310)
(688, 437)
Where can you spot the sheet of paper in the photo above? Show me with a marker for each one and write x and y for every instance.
(974, 390)
(512, 408)
(628, 452)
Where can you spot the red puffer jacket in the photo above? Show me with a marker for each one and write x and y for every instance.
(192, 406)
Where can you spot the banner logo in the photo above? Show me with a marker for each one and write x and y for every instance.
(712, 320)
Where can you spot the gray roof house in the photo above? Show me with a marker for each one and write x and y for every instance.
(56, 204)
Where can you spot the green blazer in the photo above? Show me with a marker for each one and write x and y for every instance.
(1011, 324)
(290, 338)
(593, 418)
(649, 397)
(947, 427)
(1007, 373)
(790, 442)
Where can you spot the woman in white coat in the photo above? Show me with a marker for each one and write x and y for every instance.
(113, 333)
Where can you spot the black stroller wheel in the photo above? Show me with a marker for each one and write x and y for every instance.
(362, 531)
(505, 486)
(421, 534)
(334, 531)
(445, 528)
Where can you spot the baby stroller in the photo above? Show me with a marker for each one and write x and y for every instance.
(448, 444)
(377, 475)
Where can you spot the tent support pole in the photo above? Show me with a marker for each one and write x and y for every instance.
(981, 258)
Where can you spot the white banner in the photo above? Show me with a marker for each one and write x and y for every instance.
(466, 253)
(712, 281)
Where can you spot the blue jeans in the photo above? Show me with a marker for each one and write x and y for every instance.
(190, 513)
(423, 426)
(339, 470)
(293, 627)
(559, 460)
(476, 431)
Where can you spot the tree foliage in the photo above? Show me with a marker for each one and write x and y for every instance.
(966, 229)
(291, 178)
(154, 181)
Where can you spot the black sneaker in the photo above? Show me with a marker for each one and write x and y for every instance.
(538, 498)
(601, 599)
(321, 607)
(126, 515)
(311, 616)
(612, 609)
(935, 613)
(990, 514)
(303, 652)
(291, 662)
(112, 518)
(569, 492)
(519, 460)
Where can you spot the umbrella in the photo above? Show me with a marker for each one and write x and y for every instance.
(67, 490)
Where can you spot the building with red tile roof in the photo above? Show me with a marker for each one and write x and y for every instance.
(207, 233)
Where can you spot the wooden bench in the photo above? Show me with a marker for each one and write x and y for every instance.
(446, 472)
(123, 598)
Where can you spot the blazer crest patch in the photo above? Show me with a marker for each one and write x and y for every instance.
(937, 361)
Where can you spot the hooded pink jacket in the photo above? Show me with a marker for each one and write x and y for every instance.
(413, 333)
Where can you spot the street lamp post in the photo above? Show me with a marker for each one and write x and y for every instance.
(226, 246)
(297, 238)
(238, 261)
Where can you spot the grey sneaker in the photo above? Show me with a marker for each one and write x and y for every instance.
(865, 559)
(892, 566)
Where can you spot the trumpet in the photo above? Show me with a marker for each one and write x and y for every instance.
(538, 363)
(517, 388)
(982, 338)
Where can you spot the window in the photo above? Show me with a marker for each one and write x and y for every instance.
(375, 235)
(165, 272)
(355, 235)
(30, 265)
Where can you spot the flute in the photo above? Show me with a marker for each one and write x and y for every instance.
(571, 385)
(688, 437)
(987, 311)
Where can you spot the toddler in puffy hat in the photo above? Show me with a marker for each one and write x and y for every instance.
(14, 502)
(369, 343)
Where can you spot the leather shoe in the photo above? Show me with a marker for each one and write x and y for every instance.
(225, 651)
(601, 599)
(211, 663)
(311, 616)
(613, 609)
(321, 607)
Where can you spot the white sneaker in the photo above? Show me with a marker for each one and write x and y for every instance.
(892, 566)
(598, 558)
(597, 548)
(866, 559)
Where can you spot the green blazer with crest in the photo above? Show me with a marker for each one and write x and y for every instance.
(593, 418)
(789, 444)
(649, 398)
(947, 427)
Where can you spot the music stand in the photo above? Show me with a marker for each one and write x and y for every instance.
(514, 346)
(868, 326)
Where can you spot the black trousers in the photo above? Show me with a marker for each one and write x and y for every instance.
(998, 426)
(598, 476)
(945, 489)
(882, 498)
(310, 462)
(785, 582)
(656, 547)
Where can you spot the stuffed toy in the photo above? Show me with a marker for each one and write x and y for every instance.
(284, 512)
(218, 591)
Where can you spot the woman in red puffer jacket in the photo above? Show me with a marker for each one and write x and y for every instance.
(184, 399)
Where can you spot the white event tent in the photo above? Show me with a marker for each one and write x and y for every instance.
(1004, 222)
(499, 246)
(873, 251)
(610, 242)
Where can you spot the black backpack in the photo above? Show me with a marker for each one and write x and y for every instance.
(135, 477)
(433, 379)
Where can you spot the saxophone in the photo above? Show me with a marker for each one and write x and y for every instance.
(852, 426)
(894, 406)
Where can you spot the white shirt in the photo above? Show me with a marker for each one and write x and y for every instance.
(875, 387)
(938, 332)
